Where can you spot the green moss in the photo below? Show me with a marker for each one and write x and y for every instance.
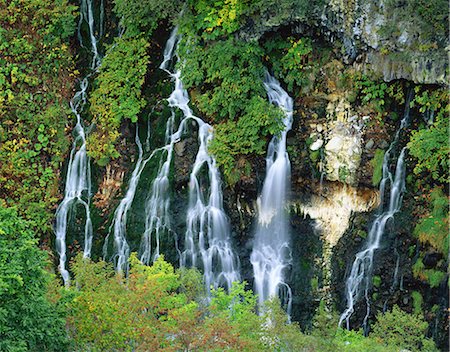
(314, 283)
(377, 164)
(361, 233)
(432, 229)
(417, 302)
(343, 173)
(429, 145)
(376, 281)
(435, 277)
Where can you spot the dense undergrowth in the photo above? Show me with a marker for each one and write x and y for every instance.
(158, 307)
(36, 82)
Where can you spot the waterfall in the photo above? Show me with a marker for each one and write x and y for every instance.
(78, 179)
(87, 15)
(207, 237)
(158, 203)
(271, 253)
(119, 223)
(360, 276)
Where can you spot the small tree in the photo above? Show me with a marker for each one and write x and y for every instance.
(28, 320)
(398, 328)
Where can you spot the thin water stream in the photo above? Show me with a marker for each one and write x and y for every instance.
(391, 188)
(271, 255)
(78, 179)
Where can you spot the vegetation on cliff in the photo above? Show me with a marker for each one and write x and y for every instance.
(223, 63)
(36, 82)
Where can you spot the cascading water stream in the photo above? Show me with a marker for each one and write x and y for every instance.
(158, 203)
(271, 253)
(360, 275)
(119, 223)
(87, 15)
(78, 179)
(207, 237)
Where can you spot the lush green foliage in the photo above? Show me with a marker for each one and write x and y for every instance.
(35, 85)
(233, 139)
(159, 309)
(219, 18)
(28, 320)
(433, 227)
(397, 328)
(430, 146)
(144, 16)
(226, 78)
(377, 164)
(291, 60)
(431, 276)
(117, 95)
(151, 310)
(227, 75)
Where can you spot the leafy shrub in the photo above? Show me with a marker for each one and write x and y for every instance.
(226, 74)
(430, 145)
(151, 311)
(36, 76)
(291, 60)
(117, 95)
(219, 18)
(245, 136)
(372, 92)
(280, 335)
(355, 341)
(432, 229)
(28, 320)
(144, 16)
(397, 328)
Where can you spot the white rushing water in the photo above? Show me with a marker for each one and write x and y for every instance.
(271, 253)
(119, 223)
(78, 179)
(158, 203)
(87, 16)
(392, 186)
(207, 238)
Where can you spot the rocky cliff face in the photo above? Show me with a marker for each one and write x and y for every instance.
(393, 38)
(332, 147)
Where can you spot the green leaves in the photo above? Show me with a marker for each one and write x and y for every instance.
(402, 330)
(35, 86)
(226, 73)
(28, 321)
(432, 228)
(246, 136)
(429, 145)
(144, 16)
(219, 18)
(377, 164)
(117, 95)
